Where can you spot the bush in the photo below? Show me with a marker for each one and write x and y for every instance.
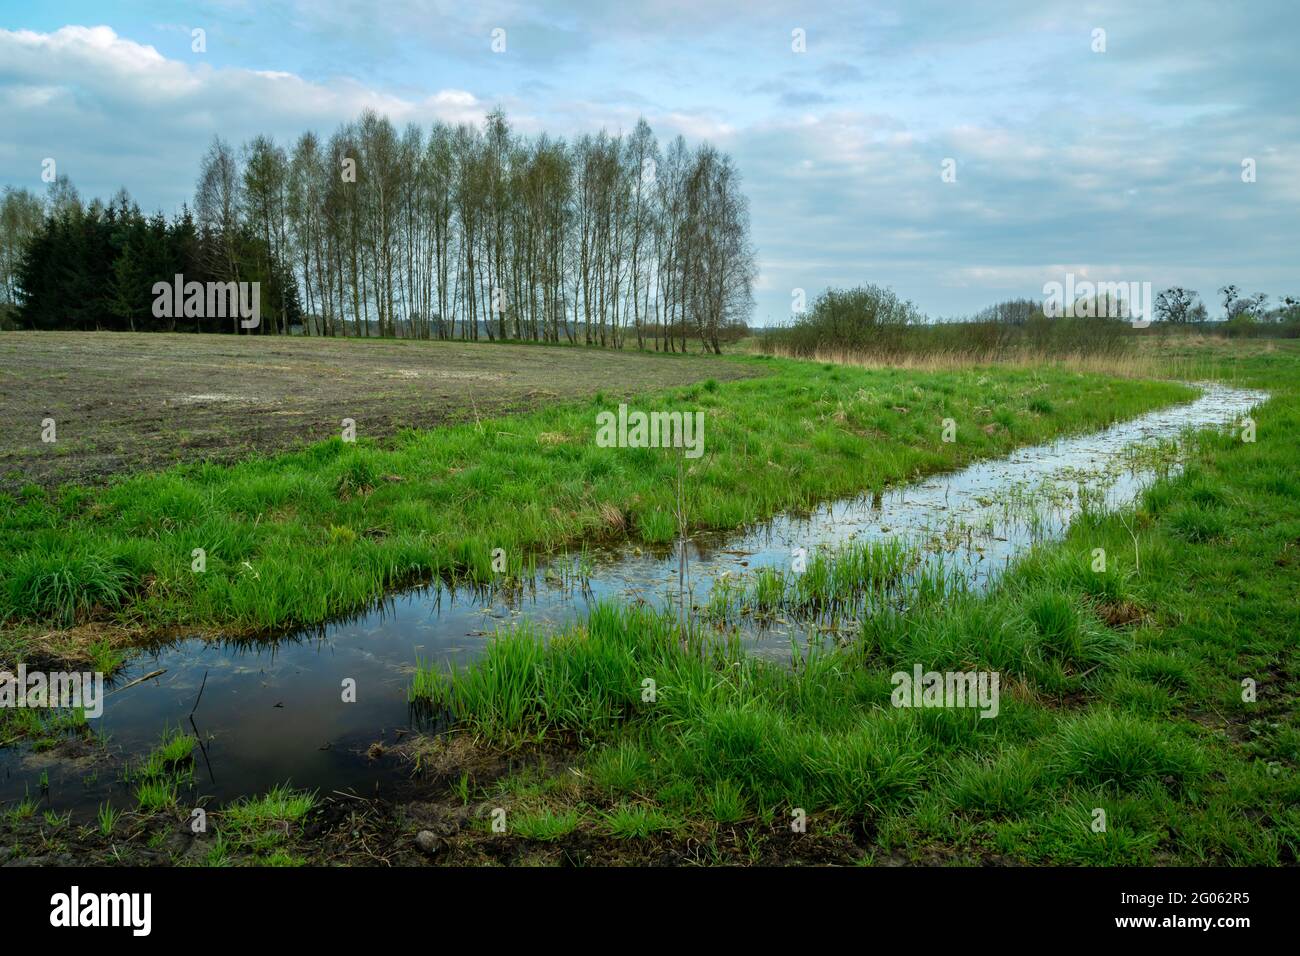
(868, 317)
(872, 320)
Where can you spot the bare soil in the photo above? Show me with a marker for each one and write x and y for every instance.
(127, 402)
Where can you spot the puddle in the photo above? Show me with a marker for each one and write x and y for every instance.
(273, 711)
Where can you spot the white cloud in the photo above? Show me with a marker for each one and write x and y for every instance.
(1063, 156)
(116, 112)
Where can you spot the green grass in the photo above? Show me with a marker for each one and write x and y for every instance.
(156, 793)
(170, 758)
(1122, 691)
(176, 747)
(107, 818)
(637, 821)
(299, 538)
(42, 728)
(60, 581)
(1120, 751)
(57, 820)
(161, 774)
(219, 853)
(861, 576)
(24, 809)
(262, 825)
(544, 824)
(725, 802)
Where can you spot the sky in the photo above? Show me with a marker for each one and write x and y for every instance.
(960, 153)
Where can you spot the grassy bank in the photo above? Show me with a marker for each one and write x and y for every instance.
(1148, 712)
(301, 537)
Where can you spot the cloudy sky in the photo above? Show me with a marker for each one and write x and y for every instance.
(1120, 165)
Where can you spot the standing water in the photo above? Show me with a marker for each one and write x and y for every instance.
(272, 711)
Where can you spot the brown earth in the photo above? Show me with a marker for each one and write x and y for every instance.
(125, 402)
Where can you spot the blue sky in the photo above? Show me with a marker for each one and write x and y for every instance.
(1122, 165)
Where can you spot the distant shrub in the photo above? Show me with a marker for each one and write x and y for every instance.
(872, 320)
(865, 317)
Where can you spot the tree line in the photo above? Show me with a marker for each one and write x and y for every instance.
(872, 320)
(459, 231)
(1176, 305)
(94, 266)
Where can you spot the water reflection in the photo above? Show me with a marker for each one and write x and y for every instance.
(275, 710)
